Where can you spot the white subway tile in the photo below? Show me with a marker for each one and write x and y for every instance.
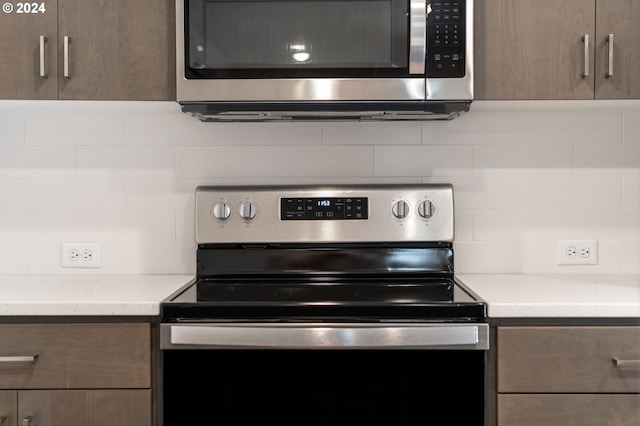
(631, 126)
(65, 194)
(13, 257)
(42, 225)
(322, 161)
(45, 258)
(618, 159)
(121, 162)
(177, 129)
(236, 134)
(224, 161)
(156, 194)
(522, 225)
(498, 160)
(607, 224)
(73, 129)
(631, 191)
(463, 221)
(13, 194)
(185, 226)
(423, 160)
(631, 257)
(571, 192)
(541, 258)
(11, 129)
(163, 258)
(148, 226)
(37, 162)
(572, 127)
(484, 192)
(374, 133)
(476, 127)
(488, 257)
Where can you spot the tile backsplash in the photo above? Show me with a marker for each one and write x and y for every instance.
(525, 175)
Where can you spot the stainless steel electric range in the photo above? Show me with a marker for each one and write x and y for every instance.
(324, 306)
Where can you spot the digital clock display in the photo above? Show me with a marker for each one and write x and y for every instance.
(324, 208)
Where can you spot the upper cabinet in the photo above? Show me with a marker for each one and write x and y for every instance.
(557, 49)
(88, 49)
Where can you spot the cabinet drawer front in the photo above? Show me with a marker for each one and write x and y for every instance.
(568, 359)
(75, 356)
(568, 410)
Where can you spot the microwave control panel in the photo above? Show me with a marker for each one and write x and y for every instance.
(446, 23)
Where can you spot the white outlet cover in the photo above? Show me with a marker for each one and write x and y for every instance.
(581, 246)
(81, 261)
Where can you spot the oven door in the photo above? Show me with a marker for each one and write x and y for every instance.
(323, 374)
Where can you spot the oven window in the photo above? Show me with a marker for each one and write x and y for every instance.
(236, 38)
(323, 388)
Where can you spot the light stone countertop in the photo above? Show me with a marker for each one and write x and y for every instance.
(86, 294)
(508, 295)
(557, 295)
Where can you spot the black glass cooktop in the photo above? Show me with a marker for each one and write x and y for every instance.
(324, 299)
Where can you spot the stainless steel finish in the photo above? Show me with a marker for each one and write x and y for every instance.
(323, 89)
(400, 209)
(426, 209)
(66, 71)
(610, 43)
(27, 421)
(43, 61)
(27, 358)
(325, 336)
(417, 36)
(585, 42)
(247, 210)
(221, 211)
(381, 225)
(622, 363)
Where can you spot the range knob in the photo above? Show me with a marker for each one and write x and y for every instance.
(400, 209)
(248, 210)
(426, 209)
(221, 210)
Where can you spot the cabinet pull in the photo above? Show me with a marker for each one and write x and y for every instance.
(626, 362)
(28, 358)
(610, 43)
(585, 40)
(2, 419)
(27, 421)
(66, 72)
(43, 65)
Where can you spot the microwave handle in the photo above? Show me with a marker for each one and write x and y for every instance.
(417, 36)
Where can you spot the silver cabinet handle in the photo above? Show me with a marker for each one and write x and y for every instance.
(610, 43)
(2, 419)
(417, 36)
(626, 362)
(585, 40)
(66, 72)
(43, 64)
(28, 358)
(27, 421)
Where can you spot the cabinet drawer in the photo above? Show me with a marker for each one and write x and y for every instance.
(75, 356)
(567, 410)
(568, 359)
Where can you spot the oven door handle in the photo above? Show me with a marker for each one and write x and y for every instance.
(325, 336)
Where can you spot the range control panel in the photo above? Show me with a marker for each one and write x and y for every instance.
(446, 22)
(354, 213)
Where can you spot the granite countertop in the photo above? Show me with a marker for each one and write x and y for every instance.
(86, 294)
(508, 295)
(557, 295)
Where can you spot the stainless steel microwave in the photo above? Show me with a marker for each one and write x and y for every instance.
(258, 60)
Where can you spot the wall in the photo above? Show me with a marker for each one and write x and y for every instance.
(526, 174)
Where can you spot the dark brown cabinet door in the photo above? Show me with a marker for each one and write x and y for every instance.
(533, 49)
(118, 49)
(86, 407)
(622, 20)
(20, 56)
(9, 408)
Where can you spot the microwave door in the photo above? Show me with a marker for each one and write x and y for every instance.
(417, 36)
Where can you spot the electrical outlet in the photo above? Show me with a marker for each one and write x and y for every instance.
(80, 255)
(578, 252)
